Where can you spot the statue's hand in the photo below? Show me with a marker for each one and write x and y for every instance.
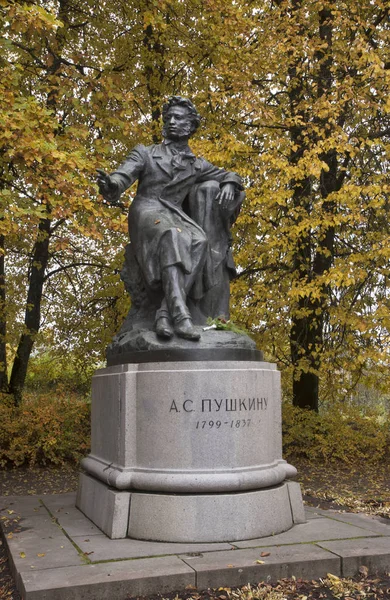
(227, 195)
(107, 187)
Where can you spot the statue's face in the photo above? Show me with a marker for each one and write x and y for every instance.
(178, 123)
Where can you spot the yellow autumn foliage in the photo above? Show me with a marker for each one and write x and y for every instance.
(46, 429)
(341, 433)
(294, 96)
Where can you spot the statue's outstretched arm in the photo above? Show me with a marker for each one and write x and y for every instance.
(112, 186)
(108, 187)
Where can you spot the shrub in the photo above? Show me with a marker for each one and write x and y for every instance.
(45, 429)
(48, 372)
(341, 433)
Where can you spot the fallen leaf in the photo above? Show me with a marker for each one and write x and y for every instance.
(10, 536)
(179, 230)
(230, 566)
(265, 553)
(10, 512)
(42, 554)
(157, 221)
(259, 562)
(88, 553)
(363, 570)
(22, 555)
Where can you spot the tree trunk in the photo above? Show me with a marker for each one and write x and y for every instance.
(305, 391)
(3, 321)
(312, 261)
(304, 330)
(155, 73)
(40, 253)
(33, 310)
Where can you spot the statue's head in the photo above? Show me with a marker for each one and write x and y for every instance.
(180, 117)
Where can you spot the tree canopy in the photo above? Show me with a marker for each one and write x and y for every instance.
(294, 96)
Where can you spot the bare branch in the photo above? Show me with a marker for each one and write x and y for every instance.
(72, 266)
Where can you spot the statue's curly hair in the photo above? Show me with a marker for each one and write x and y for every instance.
(179, 101)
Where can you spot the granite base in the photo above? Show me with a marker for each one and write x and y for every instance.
(194, 448)
(190, 518)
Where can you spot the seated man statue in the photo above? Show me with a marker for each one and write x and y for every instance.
(179, 224)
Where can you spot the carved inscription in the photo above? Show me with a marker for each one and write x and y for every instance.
(234, 404)
(237, 423)
(220, 411)
(212, 405)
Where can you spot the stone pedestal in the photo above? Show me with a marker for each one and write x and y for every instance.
(188, 451)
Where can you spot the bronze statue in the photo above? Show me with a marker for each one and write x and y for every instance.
(178, 262)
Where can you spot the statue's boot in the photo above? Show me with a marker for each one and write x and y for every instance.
(163, 325)
(173, 281)
(186, 330)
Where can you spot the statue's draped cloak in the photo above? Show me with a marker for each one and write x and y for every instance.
(165, 179)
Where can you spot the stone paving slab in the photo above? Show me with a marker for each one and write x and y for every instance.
(374, 553)
(38, 543)
(60, 500)
(376, 524)
(63, 509)
(30, 505)
(106, 549)
(74, 522)
(311, 513)
(40, 526)
(232, 569)
(109, 581)
(312, 531)
(28, 554)
(77, 562)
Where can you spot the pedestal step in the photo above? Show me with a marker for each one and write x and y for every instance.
(190, 517)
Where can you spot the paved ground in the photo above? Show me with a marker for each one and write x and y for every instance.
(58, 554)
